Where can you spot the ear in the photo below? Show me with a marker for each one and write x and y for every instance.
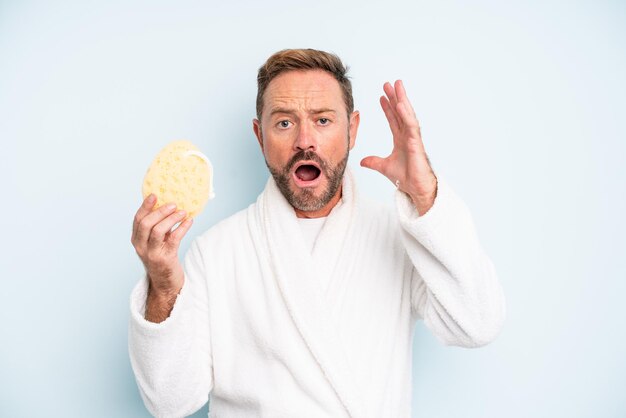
(256, 127)
(355, 118)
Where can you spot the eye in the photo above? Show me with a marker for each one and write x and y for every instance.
(284, 124)
(324, 121)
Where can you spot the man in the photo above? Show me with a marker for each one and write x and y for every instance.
(304, 304)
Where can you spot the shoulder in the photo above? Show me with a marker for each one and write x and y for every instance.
(226, 231)
(224, 245)
(375, 212)
(377, 222)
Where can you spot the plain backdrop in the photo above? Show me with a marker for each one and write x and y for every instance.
(522, 107)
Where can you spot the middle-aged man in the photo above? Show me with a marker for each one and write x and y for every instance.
(304, 304)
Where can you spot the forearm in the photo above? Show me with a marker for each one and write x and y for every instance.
(424, 203)
(171, 360)
(159, 305)
(455, 288)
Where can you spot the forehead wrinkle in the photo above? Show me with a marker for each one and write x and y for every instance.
(291, 104)
(304, 93)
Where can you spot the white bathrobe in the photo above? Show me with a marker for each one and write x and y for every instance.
(253, 328)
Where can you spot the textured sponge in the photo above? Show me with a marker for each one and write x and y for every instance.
(181, 174)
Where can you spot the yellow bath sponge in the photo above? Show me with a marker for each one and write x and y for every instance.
(181, 174)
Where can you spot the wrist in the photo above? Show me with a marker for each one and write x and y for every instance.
(165, 284)
(423, 202)
(163, 294)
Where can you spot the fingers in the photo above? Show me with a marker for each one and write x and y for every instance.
(144, 209)
(395, 101)
(405, 112)
(177, 235)
(402, 97)
(146, 224)
(400, 91)
(407, 116)
(391, 94)
(162, 228)
(390, 114)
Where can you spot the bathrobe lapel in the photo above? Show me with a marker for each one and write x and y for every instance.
(297, 274)
(332, 238)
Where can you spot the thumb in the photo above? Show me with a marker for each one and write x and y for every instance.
(374, 163)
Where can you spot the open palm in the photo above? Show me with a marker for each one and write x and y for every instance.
(407, 166)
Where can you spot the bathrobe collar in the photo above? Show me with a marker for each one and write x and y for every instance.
(297, 273)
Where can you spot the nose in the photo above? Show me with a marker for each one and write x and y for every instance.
(306, 139)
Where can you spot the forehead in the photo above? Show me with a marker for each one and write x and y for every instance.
(304, 90)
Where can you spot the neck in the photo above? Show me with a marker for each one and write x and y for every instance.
(323, 211)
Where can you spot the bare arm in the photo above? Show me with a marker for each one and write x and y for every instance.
(159, 305)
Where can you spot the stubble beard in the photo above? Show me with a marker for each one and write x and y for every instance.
(305, 199)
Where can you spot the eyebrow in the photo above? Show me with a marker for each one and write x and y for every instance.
(290, 111)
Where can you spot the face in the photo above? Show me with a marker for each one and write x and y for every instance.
(306, 134)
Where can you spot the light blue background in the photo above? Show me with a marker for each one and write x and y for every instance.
(522, 107)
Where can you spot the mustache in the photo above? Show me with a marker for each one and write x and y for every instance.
(305, 155)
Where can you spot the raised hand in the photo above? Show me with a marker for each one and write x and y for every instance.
(407, 166)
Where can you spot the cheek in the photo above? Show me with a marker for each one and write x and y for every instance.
(338, 149)
(276, 153)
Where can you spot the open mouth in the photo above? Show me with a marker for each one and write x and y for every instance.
(306, 173)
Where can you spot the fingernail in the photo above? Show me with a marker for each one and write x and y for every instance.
(181, 213)
(150, 198)
(170, 206)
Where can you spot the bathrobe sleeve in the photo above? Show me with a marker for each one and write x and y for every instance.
(454, 287)
(172, 359)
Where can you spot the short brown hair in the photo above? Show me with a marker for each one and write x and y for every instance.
(303, 59)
